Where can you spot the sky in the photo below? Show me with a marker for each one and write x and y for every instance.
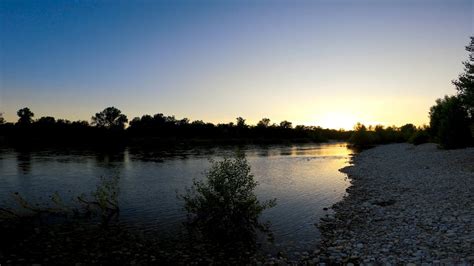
(326, 63)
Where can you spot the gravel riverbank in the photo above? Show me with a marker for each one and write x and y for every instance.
(407, 204)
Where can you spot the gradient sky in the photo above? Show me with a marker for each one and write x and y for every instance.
(327, 63)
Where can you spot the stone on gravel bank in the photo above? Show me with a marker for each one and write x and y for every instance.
(407, 204)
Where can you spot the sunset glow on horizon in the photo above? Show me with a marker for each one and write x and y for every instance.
(320, 63)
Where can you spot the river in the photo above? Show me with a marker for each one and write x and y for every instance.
(304, 179)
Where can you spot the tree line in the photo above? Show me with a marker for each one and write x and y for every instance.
(364, 137)
(109, 127)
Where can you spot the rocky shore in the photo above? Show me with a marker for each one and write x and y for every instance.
(407, 204)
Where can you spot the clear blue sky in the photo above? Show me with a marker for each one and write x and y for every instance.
(328, 63)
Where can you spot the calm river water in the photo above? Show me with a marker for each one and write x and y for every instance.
(303, 178)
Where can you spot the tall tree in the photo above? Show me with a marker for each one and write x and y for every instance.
(241, 122)
(2, 120)
(265, 122)
(449, 123)
(46, 121)
(25, 116)
(286, 124)
(465, 82)
(110, 117)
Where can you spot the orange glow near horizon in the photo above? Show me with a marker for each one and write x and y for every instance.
(338, 121)
(333, 112)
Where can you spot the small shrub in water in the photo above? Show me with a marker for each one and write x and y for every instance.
(224, 207)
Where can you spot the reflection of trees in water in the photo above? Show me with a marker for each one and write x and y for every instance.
(287, 151)
(106, 157)
(111, 161)
(23, 158)
(263, 150)
(160, 154)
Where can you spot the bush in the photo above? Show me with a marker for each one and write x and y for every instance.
(361, 137)
(449, 123)
(419, 137)
(407, 131)
(224, 207)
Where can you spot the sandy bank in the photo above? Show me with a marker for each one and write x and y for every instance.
(406, 204)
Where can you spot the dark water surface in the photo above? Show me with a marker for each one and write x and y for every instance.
(304, 179)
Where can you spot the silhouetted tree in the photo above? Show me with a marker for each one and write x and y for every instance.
(25, 116)
(63, 121)
(361, 137)
(407, 131)
(111, 118)
(366, 137)
(265, 122)
(420, 136)
(159, 119)
(183, 122)
(449, 123)
(286, 124)
(46, 121)
(465, 82)
(241, 122)
(2, 120)
(80, 123)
